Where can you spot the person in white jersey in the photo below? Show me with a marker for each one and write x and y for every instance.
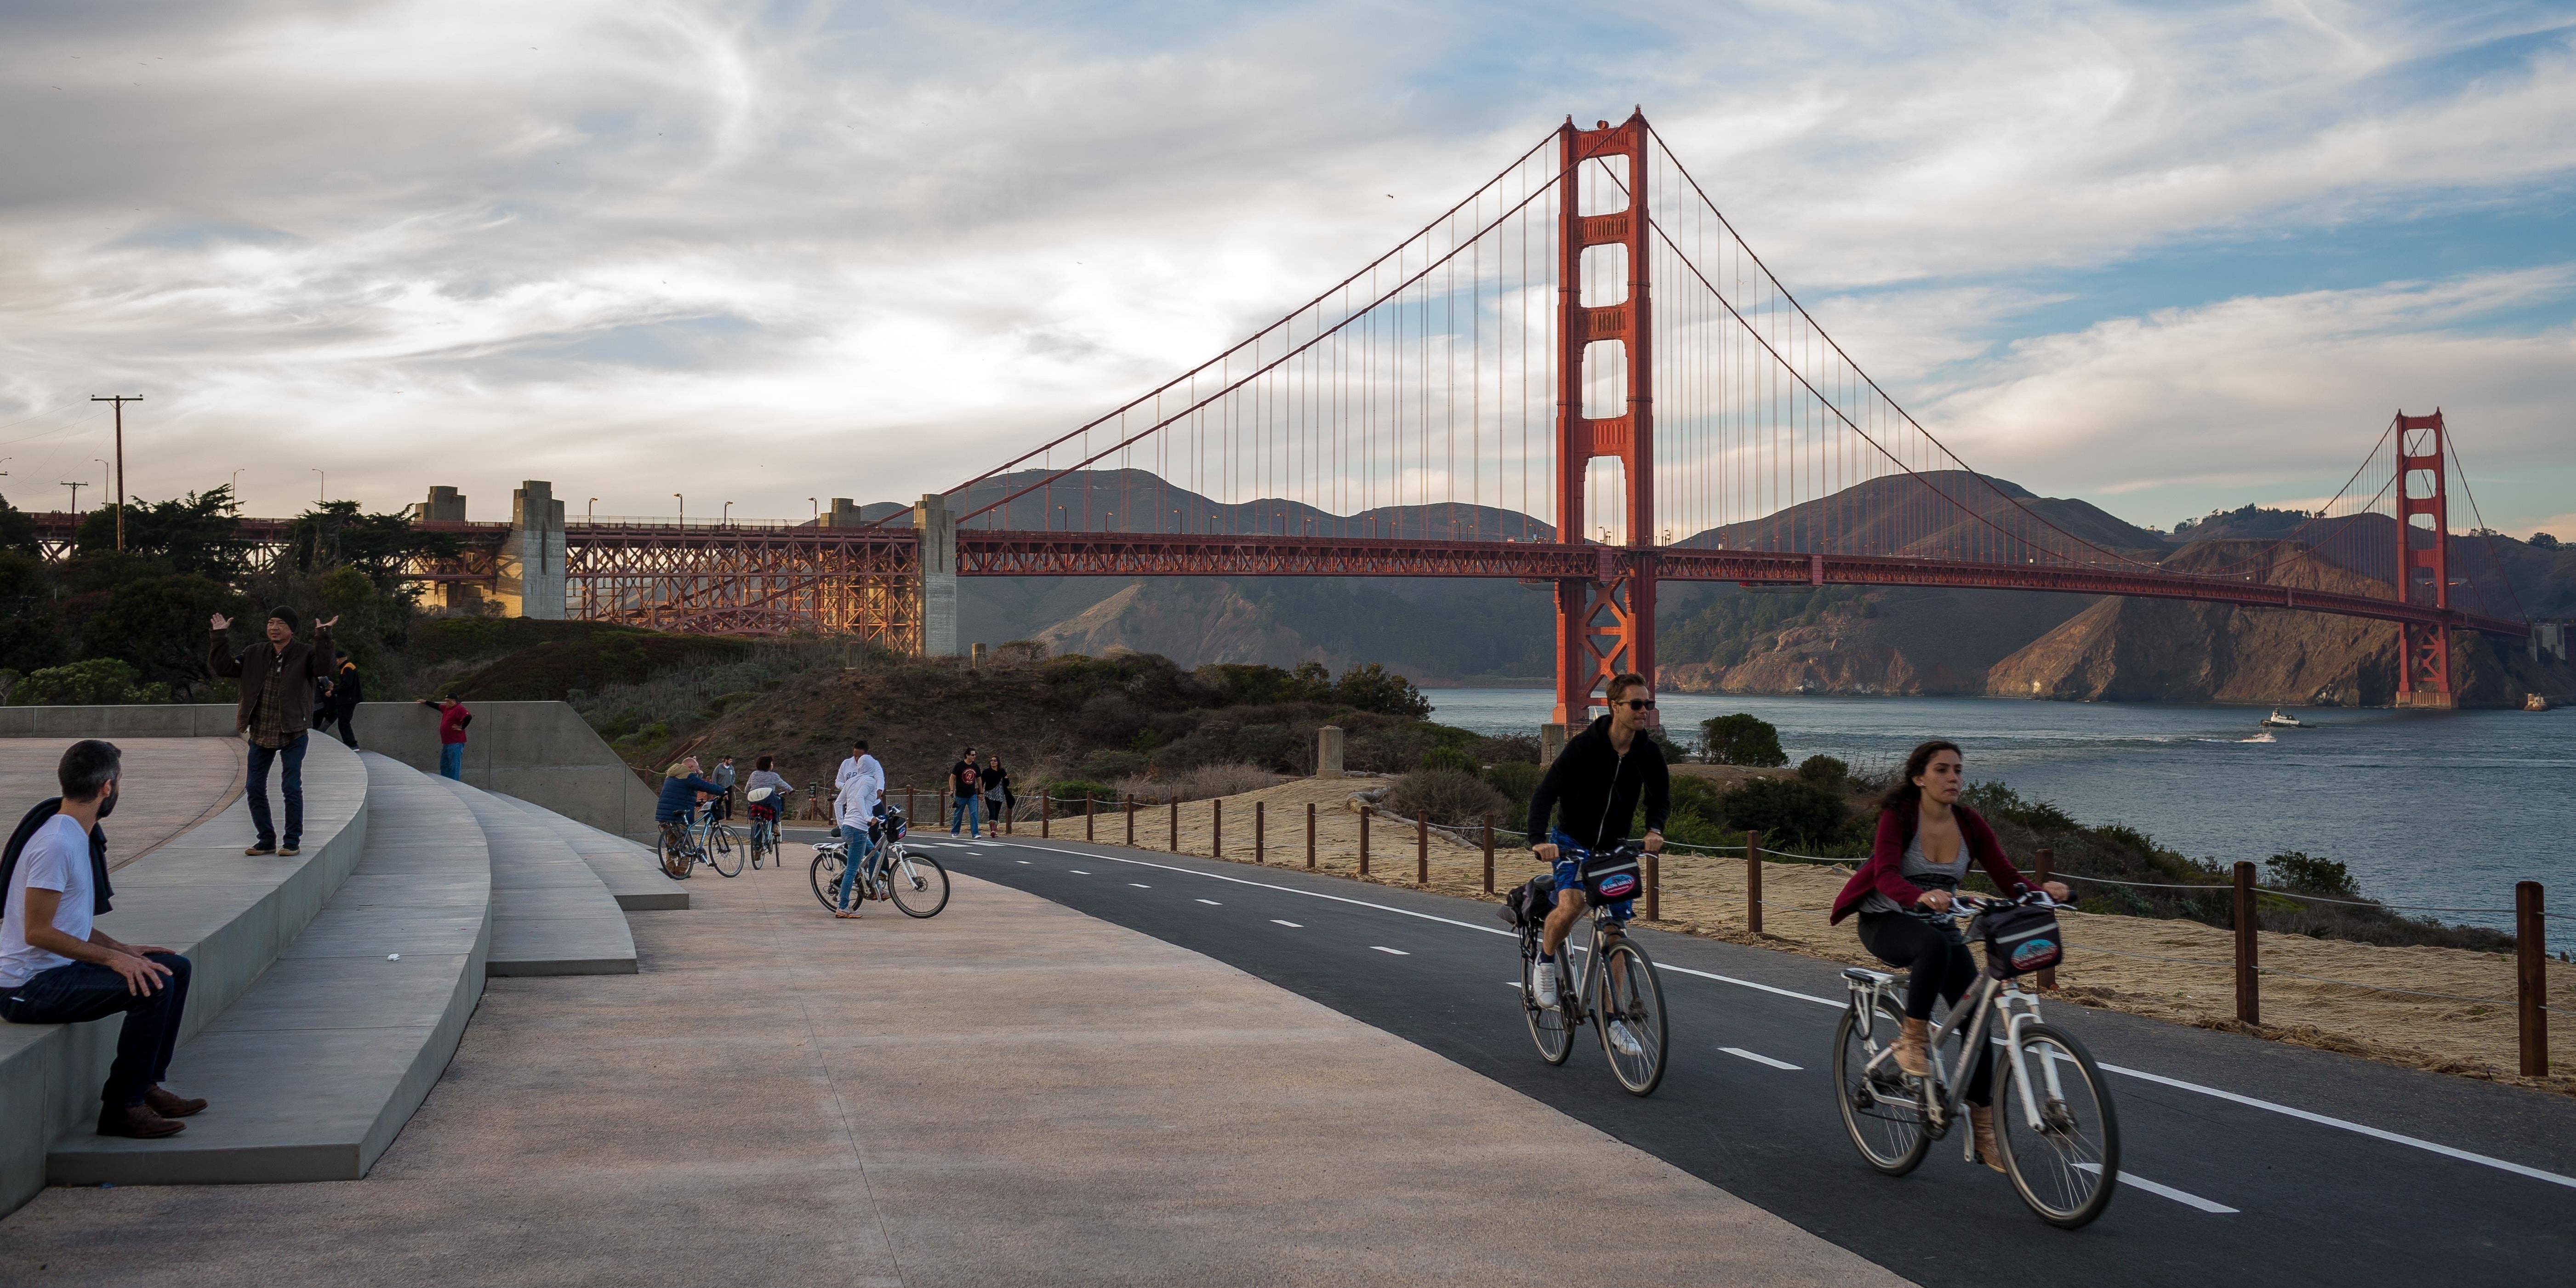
(858, 787)
(57, 967)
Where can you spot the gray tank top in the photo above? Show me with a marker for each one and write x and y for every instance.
(1919, 868)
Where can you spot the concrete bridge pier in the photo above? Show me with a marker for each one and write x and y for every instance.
(938, 528)
(530, 580)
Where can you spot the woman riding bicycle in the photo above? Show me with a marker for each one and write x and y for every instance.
(1925, 842)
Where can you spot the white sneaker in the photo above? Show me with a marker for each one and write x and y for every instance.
(1544, 979)
(1624, 1041)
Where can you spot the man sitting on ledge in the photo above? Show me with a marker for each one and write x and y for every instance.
(57, 968)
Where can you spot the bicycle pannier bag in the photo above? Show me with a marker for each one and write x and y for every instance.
(2020, 940)
(1612, 876)
(1530, 901)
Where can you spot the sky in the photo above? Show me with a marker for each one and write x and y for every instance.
(2164, 257)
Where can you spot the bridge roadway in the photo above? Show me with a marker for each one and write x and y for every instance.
(2247, 1161)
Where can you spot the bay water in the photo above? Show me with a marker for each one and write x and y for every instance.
(2440, 808)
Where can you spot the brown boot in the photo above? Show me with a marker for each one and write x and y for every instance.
(141, 1122)
(169, 1105)
(1912, 1044)
(1981, 1120)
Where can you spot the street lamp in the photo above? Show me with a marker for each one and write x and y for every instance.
(236, 485)
(103, 468)
(321, 484)
(684, 508)
(591, 515)
(727, 520)
(818, 510)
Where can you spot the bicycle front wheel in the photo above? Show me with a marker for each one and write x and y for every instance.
(1548, 1026)
(725, 851)
(2068, 1166)
(1631, 1011)
(917, 882)
(677, 857)
(1882, 1108)
(826, 878)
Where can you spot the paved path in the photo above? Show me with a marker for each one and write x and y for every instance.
(170, 785)
(2269, 1163)
(1008, 1093)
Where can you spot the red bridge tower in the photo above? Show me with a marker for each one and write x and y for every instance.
(2423, 561)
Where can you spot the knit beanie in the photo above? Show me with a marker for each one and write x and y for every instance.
(286, 615)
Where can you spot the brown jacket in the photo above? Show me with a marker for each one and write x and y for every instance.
(305, 662)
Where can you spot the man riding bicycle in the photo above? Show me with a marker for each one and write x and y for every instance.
(1593, 787)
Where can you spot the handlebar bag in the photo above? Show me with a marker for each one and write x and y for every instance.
(1613, 875)
(2021, 939)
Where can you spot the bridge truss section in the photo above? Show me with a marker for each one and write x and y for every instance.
(858, 582)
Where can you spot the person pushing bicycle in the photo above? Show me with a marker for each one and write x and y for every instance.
(1593, 788)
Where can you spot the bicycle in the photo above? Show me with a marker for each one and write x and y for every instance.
(2055, 1127)
(719, 845)
(916, 883)
(678, 851)
(1619, 992)
(764, 836)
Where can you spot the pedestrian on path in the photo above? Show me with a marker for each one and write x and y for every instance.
(452, 719)
(857, 790)
(346, 693)
(273, 712)
(723, 777)
(58, 967)
(998, 799)
(967, 809)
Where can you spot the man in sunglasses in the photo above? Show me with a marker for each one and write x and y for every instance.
(1593, 789)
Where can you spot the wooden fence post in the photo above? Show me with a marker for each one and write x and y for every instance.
(1421, 849)
(2249, 995)
(910, 810)
(2047, 859)
(1310, 836)
(1753, 881)
(1489, 854)
(1654, 886)
(1086, 815)
(1176, 823)
(1216, 829)
(1046, 813)
(1364, 817)
(1127, 806)
(1257, 810)
(2531, 977)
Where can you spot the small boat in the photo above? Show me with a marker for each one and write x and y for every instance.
(2278, 721)
(2264, 735)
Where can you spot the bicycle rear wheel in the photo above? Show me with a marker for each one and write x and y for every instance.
(1548, 1026)
(825, 877)
(917, 882)
(725, 851)
(676, 855)
(1632, 998)
(1882, 1109)
(2068, 1167)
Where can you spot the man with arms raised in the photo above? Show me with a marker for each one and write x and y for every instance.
(1593, 789)
(58, 968)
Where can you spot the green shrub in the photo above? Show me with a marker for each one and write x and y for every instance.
(1515, 779)
(1449, 758)
(1450, 797)
(1070, 792)
(2327, 877)
(1741, 739)
(1786, 811)
(97, 681)
(1824, 771)
(1371, 687)
(1994, 800)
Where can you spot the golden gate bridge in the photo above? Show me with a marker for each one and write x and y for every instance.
(1578, 375)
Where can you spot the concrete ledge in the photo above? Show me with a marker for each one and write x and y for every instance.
(629, 870)
(314, 1070)
(230, 913)
(550, 913)
(540, 751)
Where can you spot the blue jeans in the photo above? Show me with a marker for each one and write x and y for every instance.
(451, 760)
(969, 812)
(290, 784)
(858, 839)
(82, 991)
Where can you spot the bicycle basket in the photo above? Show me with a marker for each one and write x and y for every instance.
(2020, 939)
(1612, 875)
(1530, 901)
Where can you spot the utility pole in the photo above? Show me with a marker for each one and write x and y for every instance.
(120, 400)
(75, 487)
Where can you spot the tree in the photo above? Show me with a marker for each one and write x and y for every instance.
(1741, 739)
(158, 627)
(17, 528)
(198, 533)
(1371, 687)
(2543, 541)
(1827, 772)
(94, 681)
(335, 533)
(1790, 810)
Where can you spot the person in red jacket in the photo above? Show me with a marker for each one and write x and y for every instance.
(452, 719)
(1925, 842)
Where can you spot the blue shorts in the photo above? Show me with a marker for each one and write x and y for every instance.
(1569, 876)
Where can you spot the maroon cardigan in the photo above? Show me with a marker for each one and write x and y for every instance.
(1887, 856)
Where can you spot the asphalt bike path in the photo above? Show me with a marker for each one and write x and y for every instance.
(2240, 1158)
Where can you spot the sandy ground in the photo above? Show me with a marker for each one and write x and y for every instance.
(2361, 999)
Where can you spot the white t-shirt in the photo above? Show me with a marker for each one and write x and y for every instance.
(56, 858)
(859, 784)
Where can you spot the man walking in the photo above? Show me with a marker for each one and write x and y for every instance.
(56, 967)
(968, 807)
(452, 719)
(276, 676)
(723, 777)
(858, 787)
(346, 694)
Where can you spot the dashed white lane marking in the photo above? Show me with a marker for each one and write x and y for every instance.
(1759, 1058)
(2251, 1102)
(1289, 924)
(1023, 863)
(2184, 1197)
(1384, 949)
(1078, 872)
(1211, 903)
(1140, 885)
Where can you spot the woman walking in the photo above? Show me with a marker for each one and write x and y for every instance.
(998, 797)
(1926, 839)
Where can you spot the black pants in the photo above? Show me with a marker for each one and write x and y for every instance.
(1939, 963)
(348, 736)
(82, 991)
(290, 784)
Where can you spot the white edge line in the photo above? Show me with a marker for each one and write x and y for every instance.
(2184, 1197)
(1211, 903)
(2322, 1120)
(1759, 1058)
(1384, 949)
(1292, 925)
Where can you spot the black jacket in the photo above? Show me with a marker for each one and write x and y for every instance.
(1598, 788)
(35, 818)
